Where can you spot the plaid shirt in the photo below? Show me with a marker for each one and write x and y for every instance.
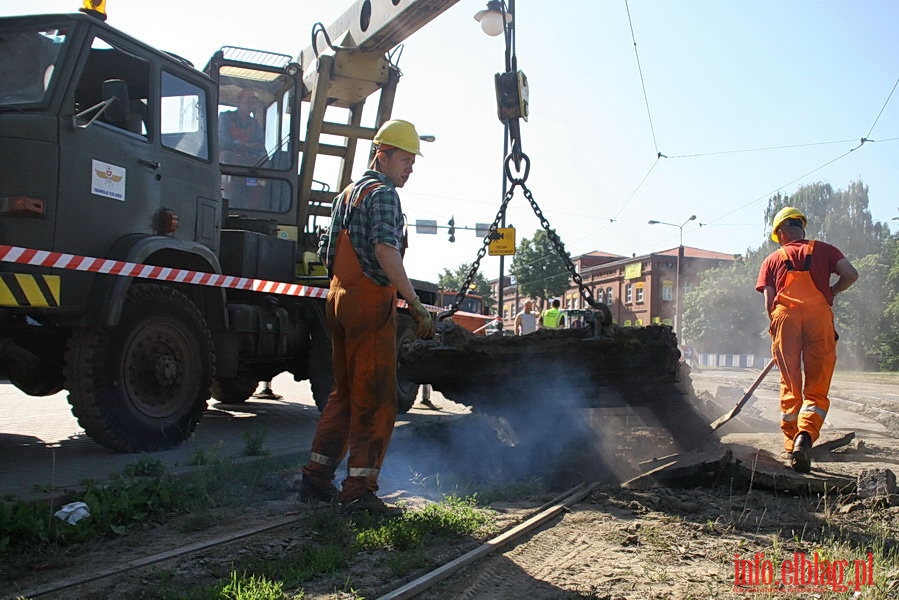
(377, 219)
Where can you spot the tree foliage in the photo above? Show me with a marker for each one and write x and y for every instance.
(724, 314)
(538, 269)
(453, 280)
(887, 339)
(838, 217)
(858, 312)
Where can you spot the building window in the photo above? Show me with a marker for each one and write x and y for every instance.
(628, 293)
(667, 290)
(640, 294)
(609, 298)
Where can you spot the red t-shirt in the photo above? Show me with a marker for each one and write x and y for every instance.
(824, 262)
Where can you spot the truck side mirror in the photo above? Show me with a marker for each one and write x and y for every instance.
(114, 107)
(115, 94)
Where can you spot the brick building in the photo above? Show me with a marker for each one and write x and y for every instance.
(639, 290)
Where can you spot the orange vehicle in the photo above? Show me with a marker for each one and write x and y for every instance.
(472, 314)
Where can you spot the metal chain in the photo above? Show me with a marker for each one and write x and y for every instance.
(553, 238)
(473, 271)
(586, 294)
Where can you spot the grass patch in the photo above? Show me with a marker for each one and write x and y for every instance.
(334, 542)
(142, 495)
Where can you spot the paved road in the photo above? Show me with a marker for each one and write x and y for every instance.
(42, 447)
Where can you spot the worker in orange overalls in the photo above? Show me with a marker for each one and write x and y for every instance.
(795, 280)
(363, 249)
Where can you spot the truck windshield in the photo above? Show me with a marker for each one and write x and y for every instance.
(28, 58)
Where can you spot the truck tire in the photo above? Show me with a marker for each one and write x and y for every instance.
(143, 384)
(233, 390)
(406, 391)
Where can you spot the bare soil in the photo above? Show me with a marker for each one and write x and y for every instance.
(649, 541)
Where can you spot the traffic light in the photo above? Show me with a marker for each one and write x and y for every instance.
(452, 229)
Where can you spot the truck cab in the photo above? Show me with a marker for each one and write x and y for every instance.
(107, 149)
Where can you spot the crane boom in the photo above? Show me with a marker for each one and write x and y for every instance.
(376, 26)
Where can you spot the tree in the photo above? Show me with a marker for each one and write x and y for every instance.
(724, 313)
(453, 280)
(887, 339)
(538, 269)
(858, 312)
(838, 217)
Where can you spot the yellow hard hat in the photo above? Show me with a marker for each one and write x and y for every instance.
(787, 212)
(399, 134)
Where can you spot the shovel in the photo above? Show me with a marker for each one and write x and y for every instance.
(736, 409)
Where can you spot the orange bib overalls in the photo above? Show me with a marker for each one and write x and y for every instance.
(803, 340)
(362, 408)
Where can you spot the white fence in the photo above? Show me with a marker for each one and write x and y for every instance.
(747, 361)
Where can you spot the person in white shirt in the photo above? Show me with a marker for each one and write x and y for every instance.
(526, 320)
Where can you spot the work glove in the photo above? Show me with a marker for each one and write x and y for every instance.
(424, 325)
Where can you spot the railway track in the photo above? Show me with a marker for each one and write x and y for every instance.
(62, 588)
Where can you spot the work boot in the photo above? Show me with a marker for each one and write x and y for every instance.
(310, 493)
(801, 458)
(370, 503)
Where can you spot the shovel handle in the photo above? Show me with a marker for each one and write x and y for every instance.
(758, 380)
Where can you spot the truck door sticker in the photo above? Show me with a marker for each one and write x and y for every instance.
(107, 180)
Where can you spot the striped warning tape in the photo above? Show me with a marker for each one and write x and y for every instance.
(74, 262)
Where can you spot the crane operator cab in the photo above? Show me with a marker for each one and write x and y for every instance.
(256, 120)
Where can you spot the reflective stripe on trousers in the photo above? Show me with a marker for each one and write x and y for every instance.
(359, 416)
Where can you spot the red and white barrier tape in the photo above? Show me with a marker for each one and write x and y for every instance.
(74, 262)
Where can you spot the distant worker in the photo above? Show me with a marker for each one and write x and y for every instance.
(795, 281)
(363, 250)
(240, 134)
(552, 318)
(526, 320)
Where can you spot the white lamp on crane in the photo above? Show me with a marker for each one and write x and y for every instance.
(494, 18)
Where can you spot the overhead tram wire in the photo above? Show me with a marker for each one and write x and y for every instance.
(648, 116)
(862, 142)
(882, 108)
(659, 154)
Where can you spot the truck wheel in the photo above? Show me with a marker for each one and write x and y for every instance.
(406, 391)
(142, 385)
(233, 390)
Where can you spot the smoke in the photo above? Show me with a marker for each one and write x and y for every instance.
(546, 436)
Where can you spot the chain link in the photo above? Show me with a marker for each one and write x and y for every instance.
(551, 233)
(586, 294)
(469, 279)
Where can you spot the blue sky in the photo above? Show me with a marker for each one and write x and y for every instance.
(744, 98)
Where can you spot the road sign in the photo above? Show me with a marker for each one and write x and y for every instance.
(423, 226)
(504, 244)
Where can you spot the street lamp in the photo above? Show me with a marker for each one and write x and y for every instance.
(496, 19)
(680, 252)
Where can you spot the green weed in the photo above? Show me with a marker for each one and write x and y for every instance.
(254, 441)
